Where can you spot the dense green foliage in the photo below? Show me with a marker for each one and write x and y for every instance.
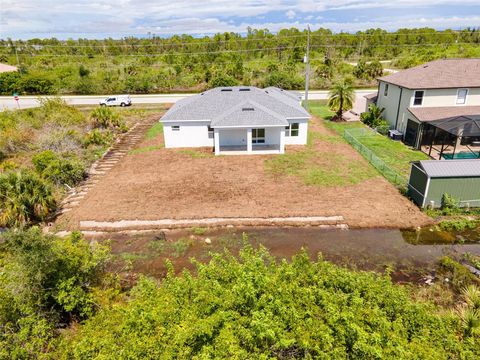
(24, 198)
(59, 170)
(181, 63)
(250, 306)
(45, 150)
(106, 118)
(45, 283)
(253, 307)
(373, 117)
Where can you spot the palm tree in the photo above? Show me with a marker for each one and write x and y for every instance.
(373, 117)
(341, 97)
(24, 198)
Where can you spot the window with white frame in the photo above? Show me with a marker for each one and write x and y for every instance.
(418, 97)
(258, 136)
(385, 90)
(292, 129)
(462, 96)
(175, 128)
(210, 132)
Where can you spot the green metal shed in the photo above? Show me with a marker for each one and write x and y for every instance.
(430, 179)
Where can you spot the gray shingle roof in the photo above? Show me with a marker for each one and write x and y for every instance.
(450, 168)
(438, 74)
(444, 112)
(249, 113)
(271, 107)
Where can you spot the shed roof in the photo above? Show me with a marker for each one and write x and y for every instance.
(450, 168)
(438, 74)
(269, 106)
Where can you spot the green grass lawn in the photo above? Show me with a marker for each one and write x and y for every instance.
(320, 168)
(394, 153)
(154, 131)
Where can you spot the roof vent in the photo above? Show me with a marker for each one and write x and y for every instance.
(226, 90)
(248, 109)
(244, 89)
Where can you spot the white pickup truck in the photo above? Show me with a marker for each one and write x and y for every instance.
(119, 100)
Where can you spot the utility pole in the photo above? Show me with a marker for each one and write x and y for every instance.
(16, 55)
(307, 70)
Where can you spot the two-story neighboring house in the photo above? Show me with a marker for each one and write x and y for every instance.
(436, 106)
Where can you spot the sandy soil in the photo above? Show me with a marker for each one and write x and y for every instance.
(169, 183)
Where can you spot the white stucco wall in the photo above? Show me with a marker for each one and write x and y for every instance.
(191, 134)
(432, 98)
(272, 135)
(448, 97)
(301, 139)
(229, 137)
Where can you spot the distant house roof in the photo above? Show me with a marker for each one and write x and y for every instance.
(450, 168)
(438, 74)
(444, 112)
(7, 68)
(239, 106)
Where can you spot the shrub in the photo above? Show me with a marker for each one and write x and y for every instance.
(25, 198)
(222, 80)
(283, 80)
(45, 282)
(373, 117)
(459, 276)
(104, 117)
(255, 308)
(40, 84)
(59, 170)
(98, 137)
(449, 203)
(9, 83)
(8, 165)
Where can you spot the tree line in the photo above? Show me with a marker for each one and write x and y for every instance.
(187, 63)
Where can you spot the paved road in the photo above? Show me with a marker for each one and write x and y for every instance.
(7, 102)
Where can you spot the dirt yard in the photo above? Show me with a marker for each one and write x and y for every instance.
(152, 183)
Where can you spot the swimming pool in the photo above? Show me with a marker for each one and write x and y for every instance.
(462, 155)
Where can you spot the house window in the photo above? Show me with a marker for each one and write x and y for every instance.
(292, 129)
(385, 90)
(418, 97)
(175, 128)
(462, 96)
(258, 136)
(210, 132)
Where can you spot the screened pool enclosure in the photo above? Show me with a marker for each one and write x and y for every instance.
(453, 138)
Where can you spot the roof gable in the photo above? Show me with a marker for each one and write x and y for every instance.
(249, 113)
(438, 74)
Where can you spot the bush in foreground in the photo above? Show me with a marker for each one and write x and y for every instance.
(253, 307)
(59, 170)
(45, 283)
(24, 198)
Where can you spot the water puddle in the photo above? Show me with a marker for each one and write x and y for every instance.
(408, 256)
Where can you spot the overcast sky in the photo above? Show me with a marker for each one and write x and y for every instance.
(118, 18)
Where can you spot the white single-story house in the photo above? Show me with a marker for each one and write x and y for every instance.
(238, 120)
